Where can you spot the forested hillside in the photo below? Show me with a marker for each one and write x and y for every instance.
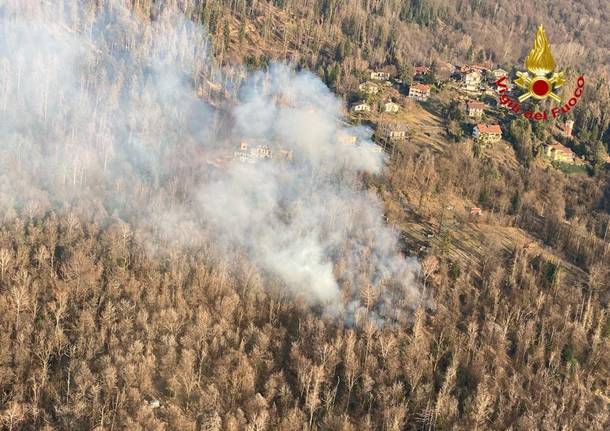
(155, 276)
(414, 31)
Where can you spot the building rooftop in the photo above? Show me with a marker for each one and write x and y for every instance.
(493, 129)
(476, 105)
(421, 87)
(562, 149)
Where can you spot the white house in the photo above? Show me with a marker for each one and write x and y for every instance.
(393, 132)
(471, 81)
(498, 73)
(369, 88)
(391, 107)
(380, 76)
(346, 138)
(361, 107)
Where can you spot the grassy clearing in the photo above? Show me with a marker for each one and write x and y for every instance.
(569, 169)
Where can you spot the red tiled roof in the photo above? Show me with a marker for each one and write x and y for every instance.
(476, 105)
(493, 129)
(562, 149)
(421, 87)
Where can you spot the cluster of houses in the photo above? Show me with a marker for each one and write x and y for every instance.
(375, 85)
(258, 150)
(473, 81)
(556, 152)
(478, 79)
(363, 106)
(377, 81)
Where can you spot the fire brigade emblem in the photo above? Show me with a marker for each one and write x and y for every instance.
(540, 64)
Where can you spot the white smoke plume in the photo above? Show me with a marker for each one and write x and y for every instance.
(100, 105)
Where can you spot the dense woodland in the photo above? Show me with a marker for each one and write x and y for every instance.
(101, 331)
(94, 329)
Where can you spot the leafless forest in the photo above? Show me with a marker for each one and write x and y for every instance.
(150, 281)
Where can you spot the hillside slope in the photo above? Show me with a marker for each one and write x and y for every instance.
(177, 253)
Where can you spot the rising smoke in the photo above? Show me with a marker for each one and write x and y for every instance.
(100, 105)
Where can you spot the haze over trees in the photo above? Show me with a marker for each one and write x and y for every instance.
(147, 283)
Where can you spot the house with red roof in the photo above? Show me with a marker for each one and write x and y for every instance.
(420, 70)
(419, 91)
(560, 153)
(487, 133)
(475, 109)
